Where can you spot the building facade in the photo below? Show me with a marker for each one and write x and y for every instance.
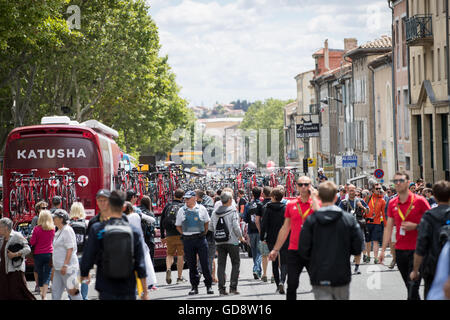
(384, 120)
(402, 117)
(299, 148)
(364, 104)
(427, 38)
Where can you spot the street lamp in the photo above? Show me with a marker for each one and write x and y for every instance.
(325, 101)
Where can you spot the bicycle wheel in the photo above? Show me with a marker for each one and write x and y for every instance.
(20, 193)
(13, 203)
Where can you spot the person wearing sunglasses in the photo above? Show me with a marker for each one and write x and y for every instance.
(375, 221)
(295, 214)
(405, 211)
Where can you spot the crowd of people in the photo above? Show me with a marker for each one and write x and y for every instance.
(320, 229)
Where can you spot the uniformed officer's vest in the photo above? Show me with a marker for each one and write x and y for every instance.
(192, 223)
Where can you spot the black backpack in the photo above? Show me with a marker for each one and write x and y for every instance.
(118, 250)
(444, 231)
(148, 229)
(252, 209)
(80, 229)
(221, 232)
(441, 229)
(171, 216)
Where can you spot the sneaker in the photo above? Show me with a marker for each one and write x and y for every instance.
(234, 291)
(392, 265)
(193, 291)
(264, 278)
(181, 280)
(272, 280)
(375, 261)
(365, 259)
(281, 288)
(37, 289)
(255, 275)
(209, 290)
(357, 271)
(168, 277)
(223, 292)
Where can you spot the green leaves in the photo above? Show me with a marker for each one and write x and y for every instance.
(267, 115)
(109, 70)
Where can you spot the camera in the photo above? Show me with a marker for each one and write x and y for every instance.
(369, 220)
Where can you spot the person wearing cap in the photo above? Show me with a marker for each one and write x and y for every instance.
(65, 261)
(102, 199)
(192, 222)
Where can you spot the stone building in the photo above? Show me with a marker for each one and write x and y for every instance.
(363, 101)
(427, 38)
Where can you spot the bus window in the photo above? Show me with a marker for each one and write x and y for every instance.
(106, 157)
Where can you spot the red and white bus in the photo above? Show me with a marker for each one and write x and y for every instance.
(88, 149)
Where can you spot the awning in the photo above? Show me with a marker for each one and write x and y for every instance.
(358, 178)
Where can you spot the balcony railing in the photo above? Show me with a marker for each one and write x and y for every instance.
(419, 30)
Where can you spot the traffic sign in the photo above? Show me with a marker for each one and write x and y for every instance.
(349, 161)
(311, 162)
(379, 173)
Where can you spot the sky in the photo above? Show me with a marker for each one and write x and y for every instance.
(224, 50)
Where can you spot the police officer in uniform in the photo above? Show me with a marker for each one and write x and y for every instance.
(192, 222)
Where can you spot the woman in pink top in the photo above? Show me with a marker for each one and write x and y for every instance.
(42, 241)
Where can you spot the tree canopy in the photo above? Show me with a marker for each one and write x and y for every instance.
(268, 114)
(109, 70)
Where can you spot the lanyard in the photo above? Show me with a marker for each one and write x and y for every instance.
(301, 212)
(374, 206)
(408, 211)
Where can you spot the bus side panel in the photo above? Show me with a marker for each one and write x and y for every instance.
(47, 153)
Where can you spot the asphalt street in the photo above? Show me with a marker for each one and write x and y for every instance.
(376, 282)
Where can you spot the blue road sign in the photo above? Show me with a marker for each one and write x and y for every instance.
(349, 161)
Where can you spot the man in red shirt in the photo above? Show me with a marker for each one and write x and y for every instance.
(405, 211)
(295, 214)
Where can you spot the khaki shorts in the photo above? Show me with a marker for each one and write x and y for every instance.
(175, 246)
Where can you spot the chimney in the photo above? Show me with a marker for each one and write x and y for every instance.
(350, 43)
(326, 55)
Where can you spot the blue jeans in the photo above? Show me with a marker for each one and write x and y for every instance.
(192, 248)
(43, 269)
(256, 255)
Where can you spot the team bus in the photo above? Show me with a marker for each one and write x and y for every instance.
(87, 150)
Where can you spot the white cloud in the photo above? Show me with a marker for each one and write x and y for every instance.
(252, 49)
